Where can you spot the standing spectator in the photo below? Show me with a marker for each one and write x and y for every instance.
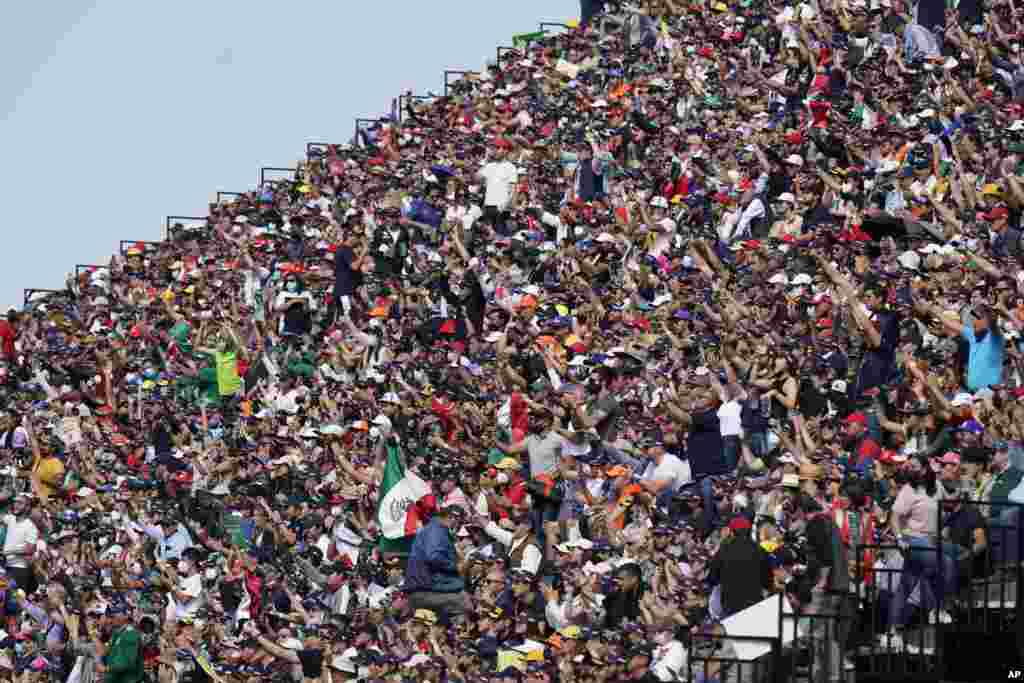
(123, 662)
(730, 422)
(828, 569)
(623, 603)
(589, 9)
(432, 578)
(520, 543)
(500, 176)
(8, 335)
(348, 274)
(740, 568)
(20, 543)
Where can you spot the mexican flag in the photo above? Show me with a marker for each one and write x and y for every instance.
(400, 490)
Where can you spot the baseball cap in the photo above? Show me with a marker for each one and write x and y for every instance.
(857, 418)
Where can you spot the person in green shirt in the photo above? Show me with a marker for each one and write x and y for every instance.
(123, 663)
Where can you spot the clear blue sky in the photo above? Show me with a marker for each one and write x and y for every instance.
(117, 113)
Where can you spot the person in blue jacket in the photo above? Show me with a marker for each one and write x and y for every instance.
(432, 579)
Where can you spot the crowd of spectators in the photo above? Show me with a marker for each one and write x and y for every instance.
(656, 319)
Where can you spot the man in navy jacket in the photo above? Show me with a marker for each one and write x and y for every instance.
(432, 578)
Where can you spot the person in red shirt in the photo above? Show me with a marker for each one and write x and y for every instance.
(862, 448)
(8, 333)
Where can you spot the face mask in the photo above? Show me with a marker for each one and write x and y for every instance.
(291, 287)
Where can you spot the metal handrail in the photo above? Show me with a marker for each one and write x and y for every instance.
(403, 101)
(455, 72)
(170, 220)
(29, 293)
(502, 49)
(544, 24)
(362, 123)
(79, 267)
(316, 146)
(274, 169)
(224, 193)
(128, 244)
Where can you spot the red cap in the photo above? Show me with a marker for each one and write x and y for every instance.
(857, 418)
(739, 523)
(996, 213)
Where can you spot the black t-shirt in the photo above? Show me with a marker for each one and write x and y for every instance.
(297, 319)
(962, 525)
(811, 400)
(346, 280)
(312, 663)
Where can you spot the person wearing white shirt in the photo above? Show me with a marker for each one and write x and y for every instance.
(729, 419)
(500, 176)
(523, 551)
(668, 474)
(668, 661)
(20, 543)
(188, 597)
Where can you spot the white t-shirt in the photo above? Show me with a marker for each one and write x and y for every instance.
(500, 177)
(669, 661)
(729, 420)
(192, 586)
(671, 467)
(21, 535)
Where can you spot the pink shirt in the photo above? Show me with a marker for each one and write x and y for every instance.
(917, 512)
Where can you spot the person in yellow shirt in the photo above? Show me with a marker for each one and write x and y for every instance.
(48, 475)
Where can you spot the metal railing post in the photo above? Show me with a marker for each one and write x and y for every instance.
(455, 72)
(405, 100)
(502, 49)
(128, 244)
(79, 267)
(362, 124)
(274, 169)
(171, 220)
(29, 293)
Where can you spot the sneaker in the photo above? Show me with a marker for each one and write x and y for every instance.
(940, 616)
(849, 664)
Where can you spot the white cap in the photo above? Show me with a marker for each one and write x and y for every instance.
(390, 397)
(787, 196)
(795, 159)
(659, 202)
(839, 386)
(779, 279)
(801, 279)
(910, 260)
